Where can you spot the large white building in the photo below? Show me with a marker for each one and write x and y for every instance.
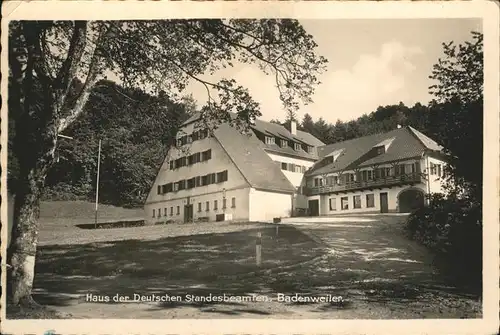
(233, 176)
(278, 172)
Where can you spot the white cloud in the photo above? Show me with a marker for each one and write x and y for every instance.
(374, 80)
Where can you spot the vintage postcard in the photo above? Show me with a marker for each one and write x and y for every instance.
(250, 167)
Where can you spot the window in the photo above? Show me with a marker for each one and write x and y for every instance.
(206, 155)
(172, 166)
(370, 200)
(224, 203)
(190, 160)
(310, 149)
(154, 211)
(284, 166)
(159, 212)
(439, 170)
(357, 201)
(297, 146)
(198, 181)
(211, 178)
(316, 182)
(165, 211)
(190, 183)
(195, 135)
(304, 169)
(175, 186)
(182, 184)
(369, 174)
(380, 150)
(298, 168)
(344, 203)
(189, 139)
(215, 205)
(433, 169)
(333, 204)
(283, 143)
(171, 211)
(199, 207)
(270, 140)
(208, 206)
(335, 180)
(178, 210)
(159, 189)
(222, 176)
(233, 202)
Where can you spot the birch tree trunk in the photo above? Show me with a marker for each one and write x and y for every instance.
(38, 124)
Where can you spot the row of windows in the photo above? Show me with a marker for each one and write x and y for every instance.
(158, 213)
(285, 144)
(292, 167)
(211, 178)
(356, 202)
(191, 159)
(367, 175)
(196, 135)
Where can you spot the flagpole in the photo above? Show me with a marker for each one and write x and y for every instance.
(97, 184)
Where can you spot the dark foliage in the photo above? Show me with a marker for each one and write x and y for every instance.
(452, 228)
(136, 131)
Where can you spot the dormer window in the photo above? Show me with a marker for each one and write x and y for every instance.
(283, 143)
(297, 146)
(270, 140)
(310, 149)
(380, 150)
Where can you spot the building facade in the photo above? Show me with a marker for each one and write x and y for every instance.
(382, 173)
(232, 176)
(278, 172)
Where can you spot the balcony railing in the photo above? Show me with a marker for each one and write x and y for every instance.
(410, 178)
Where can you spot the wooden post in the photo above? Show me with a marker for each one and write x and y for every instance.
(258, 249)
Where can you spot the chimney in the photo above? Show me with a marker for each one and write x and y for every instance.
(293, 127)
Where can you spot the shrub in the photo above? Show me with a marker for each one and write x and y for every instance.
(452, 229)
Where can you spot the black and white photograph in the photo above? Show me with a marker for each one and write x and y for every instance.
(260, 166)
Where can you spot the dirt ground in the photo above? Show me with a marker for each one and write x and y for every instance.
(366, 270)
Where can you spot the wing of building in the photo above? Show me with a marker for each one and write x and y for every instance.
(278, 172)
(387, 172)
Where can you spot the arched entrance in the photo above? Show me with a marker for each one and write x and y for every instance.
(410, 200)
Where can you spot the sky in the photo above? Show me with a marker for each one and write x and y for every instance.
(371, 63)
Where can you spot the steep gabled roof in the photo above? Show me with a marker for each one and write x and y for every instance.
(405, 143)
(248, 155)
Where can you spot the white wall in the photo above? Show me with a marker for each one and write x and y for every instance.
(219, 162)
(392, 198)
(435, 182)
(268, 205)
(296, 178)
(239, 211)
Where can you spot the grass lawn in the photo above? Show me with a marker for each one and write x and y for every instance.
(196, 264)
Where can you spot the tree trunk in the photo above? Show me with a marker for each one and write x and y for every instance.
(22, 250)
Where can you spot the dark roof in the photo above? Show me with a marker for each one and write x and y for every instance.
(277, 130)
(407, 143)
(247, 153)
